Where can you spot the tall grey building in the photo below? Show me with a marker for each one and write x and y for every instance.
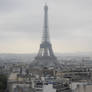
(45, 57)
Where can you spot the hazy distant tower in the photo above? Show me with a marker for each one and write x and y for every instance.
(45, 57)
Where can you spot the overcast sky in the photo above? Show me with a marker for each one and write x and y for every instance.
(21, 25)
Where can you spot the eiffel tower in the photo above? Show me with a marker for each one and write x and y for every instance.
(45, 56)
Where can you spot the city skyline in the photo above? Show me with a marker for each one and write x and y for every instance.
(21, 25)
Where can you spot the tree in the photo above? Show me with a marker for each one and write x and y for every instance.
(3, 82)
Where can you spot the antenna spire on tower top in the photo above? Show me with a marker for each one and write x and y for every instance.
(45, 3)
(46, 6)
(46, 29)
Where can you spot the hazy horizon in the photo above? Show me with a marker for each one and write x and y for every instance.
(21, 25)
(66, 53)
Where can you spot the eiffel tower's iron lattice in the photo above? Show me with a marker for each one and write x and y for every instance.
(45, 56)
(45, 47)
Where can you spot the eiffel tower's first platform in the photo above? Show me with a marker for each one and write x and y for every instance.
(45, 57)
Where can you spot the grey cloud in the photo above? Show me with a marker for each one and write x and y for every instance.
(68, 19)
(7, 6)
